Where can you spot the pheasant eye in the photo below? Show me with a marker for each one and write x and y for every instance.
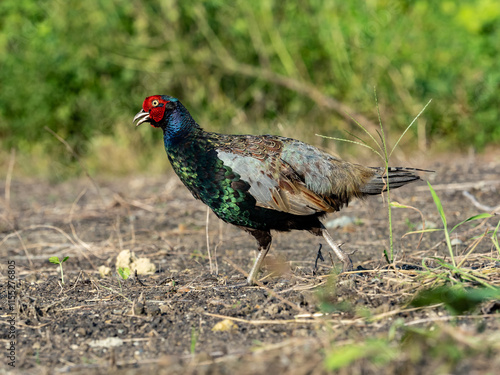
(155, 103)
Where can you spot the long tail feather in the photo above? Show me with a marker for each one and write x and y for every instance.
(398, 176)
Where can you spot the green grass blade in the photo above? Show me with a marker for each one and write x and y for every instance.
(440, 209)
(382, 145)
(409, 126)
(381, 138)
(194, 340)
(494, 237)
(357, 137)
(369, 134)
(351, 141)
(438, 204)
(472, 218)
(465, 274)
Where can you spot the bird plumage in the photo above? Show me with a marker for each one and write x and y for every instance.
(263, 183)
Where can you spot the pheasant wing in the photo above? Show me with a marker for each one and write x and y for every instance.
(281, 178)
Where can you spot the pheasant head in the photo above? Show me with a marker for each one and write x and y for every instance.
(167, 113)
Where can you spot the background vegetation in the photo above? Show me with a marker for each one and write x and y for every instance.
(82, 69)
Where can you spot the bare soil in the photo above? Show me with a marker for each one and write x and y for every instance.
(167, 322)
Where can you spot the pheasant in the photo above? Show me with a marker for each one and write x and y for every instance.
(265, 182)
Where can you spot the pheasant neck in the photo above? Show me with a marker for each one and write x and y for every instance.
(180, 126)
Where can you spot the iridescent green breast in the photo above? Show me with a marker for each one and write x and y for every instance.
(208, 179)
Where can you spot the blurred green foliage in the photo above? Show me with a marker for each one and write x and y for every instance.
(456, 299)
(82, 69)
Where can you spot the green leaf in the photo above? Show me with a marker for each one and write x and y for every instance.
(386, 256)
(124, 272)
(65, 259)
(54, 260)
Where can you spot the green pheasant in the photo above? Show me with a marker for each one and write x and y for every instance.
(263, 183)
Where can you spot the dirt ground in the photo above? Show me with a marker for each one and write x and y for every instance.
(184, 319)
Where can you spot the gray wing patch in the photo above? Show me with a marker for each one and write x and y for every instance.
(252, 171)
(277, 193)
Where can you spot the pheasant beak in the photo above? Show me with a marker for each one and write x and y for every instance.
(141, 117)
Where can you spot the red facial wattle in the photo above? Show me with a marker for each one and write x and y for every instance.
(156, 113)
(155, 106)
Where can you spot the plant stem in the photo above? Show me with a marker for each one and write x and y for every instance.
(62, 274)
(386, 162)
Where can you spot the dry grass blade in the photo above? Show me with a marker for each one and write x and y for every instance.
(73, 230)
(23, 245)
(472, 248)
(262, 321)
(396, 205)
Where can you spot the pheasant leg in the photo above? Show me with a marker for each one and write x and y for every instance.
(264, 239)
(344, 258)
(252, 276)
